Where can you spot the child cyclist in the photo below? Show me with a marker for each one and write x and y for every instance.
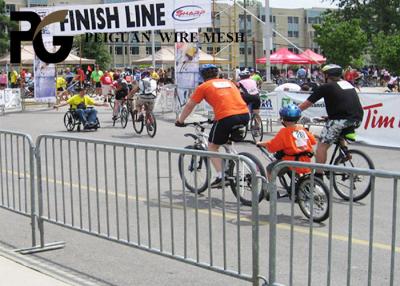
(293, 142)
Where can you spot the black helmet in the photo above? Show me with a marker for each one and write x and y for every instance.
(208, 71)
(332, 70)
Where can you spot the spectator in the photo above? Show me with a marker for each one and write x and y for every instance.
(14, 78)
(3, 80)
(301, 73)
(80, 75)
(69, 76)
(106, 84)
(95, 77)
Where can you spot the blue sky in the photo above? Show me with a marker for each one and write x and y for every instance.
(299, 3)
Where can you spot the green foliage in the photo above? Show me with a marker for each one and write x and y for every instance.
(342, 42)
(93, 50)
(386, 51)
(5, 26)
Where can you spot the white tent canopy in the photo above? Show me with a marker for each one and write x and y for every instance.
(28, 56)
(166, 55)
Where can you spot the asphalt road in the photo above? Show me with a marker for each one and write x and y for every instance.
(99, 193)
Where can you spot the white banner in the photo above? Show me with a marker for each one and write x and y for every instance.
(44, 74)
(133, 16)
(10, 98)
(381, 122)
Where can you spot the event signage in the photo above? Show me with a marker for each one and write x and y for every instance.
(381, 122)
(63, 22)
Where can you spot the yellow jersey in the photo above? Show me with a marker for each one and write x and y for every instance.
(77, 99)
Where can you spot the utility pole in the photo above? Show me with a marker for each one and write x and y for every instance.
(245, 32)
(267, 36)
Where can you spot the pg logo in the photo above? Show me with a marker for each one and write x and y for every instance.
(34, 34)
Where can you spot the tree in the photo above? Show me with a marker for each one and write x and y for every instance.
(93, 49)
(5, 26)
(342, 42)
(375, 15)
(386, 51)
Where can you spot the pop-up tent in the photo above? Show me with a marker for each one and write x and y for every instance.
(166, 55)
(284, 56)
(28, 56)
(312, 57)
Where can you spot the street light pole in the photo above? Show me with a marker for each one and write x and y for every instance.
(267, 37)
(245, 33)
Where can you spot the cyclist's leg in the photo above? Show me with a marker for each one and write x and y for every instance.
(91, 116)
(116, 107)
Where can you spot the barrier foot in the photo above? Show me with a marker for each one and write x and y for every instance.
(38, 248)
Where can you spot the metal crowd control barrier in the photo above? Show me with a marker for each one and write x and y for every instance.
(17, 175)
(348, 253)
(132, 194)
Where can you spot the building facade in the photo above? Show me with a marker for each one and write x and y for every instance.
(293, 24)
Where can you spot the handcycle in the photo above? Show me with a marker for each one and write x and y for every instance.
(310, 192)
(71, 120)
(123, 114)
(345, 157)
(191, 164)
(144, 117)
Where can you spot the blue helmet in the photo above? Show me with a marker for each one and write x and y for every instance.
(209, 71)
(291, 113)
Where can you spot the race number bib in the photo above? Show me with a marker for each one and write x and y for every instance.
(221, 84)
(301, 138)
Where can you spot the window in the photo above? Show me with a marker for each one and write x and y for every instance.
(293, 20)
(126, 50)
(10, 8)
(118, 50)
(293, 34)
(134, 50)
(111, 50)
(314, 20)
(249, 51)
(148, 51)
(293, 50)
(241, 51)
(210, 50)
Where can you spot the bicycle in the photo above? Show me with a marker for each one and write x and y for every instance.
(349, 158)
(255, 126)
(307, 195)
(191, 164)
(123, 114)
(142, 118)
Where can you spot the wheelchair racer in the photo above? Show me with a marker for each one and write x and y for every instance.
(229, 108)
(79, 103)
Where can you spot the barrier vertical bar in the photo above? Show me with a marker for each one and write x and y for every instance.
(55, 179)
(79, 184)
(238, 185)
(1, 172)
(330, 231)
(40, 193)
(25, 177)
(371, 231)
(88, 187)
(171, 204)
(47, 178)
(393, 245)
(208, 166)
(159, 199)
(106, 189)
(116, 190)
(182, 167)
(223, 214)
(18, 175)
(196, 202)
(146, 152)
(292, 199)
(350, 237)
(137, 195)
(70, 184)
(272, 229)
(12, 170)
(311, 230)
(96, 173)
(128, 228)
(6, 170)
(62, 180)
(32, 154)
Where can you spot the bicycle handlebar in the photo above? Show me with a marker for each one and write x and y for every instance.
(199, 123)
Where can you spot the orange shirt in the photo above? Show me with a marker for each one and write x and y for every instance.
(223, 96)
(293, 140)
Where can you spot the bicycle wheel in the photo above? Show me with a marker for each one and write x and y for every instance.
(361, 184)
(137, 124)
(245, 180)
(151, 124)
(317, 196)
(256, 127)
(124, 116)
(189, 165)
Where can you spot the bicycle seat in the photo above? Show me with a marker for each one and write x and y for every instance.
(349, 133)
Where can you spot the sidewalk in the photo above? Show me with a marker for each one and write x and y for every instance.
(16, 274)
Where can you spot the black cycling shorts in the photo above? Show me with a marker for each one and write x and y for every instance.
(253, 101)
(222, 129)
(98, 84)
(121, 94)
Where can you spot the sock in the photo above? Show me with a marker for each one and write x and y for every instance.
(219, 175)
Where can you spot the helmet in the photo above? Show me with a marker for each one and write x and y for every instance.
(332, 70)
(290, 113)
(244, 74)
(208, 71)
(144, 74)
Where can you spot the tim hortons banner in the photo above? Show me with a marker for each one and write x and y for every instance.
(133, 16)
(381, 122)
